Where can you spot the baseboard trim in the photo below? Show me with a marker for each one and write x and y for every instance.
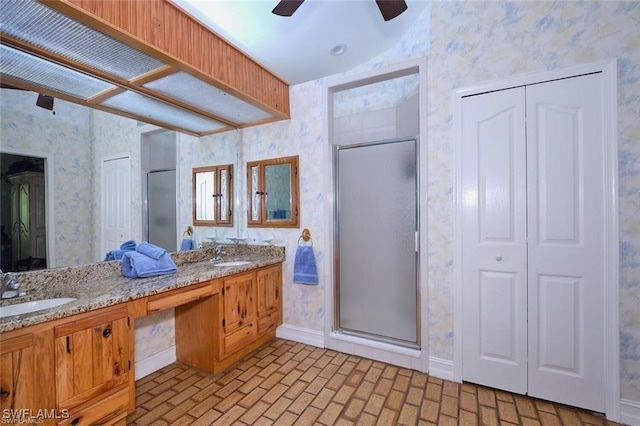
(629, 412)
(441, 368)
(155, 362)
(301, 335)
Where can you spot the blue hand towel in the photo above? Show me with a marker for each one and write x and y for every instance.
(128, 245)
(117, 254)
(138, 265)
(187, 244)
(150, 250)
(305, 270)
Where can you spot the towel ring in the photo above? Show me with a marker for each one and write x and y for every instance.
(306, 236)
(189, 231)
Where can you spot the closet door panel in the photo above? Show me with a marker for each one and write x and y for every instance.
(494, 240)
(565, 178)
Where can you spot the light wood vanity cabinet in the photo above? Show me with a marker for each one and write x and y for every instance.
(92, 364)
(250, 309)
(81, 366)
(26, 363)
(76, 369)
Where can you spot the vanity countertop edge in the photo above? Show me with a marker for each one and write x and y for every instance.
(96, 293)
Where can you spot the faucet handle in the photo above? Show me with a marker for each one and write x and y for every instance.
(11, 281)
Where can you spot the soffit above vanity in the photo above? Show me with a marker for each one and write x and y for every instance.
(147, 60)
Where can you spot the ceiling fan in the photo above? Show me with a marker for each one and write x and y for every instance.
(389, 8)
(43, 101)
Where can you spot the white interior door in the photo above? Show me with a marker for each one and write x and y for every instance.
(116, 203)
(533, 246)
(565, 176)
(494, 240)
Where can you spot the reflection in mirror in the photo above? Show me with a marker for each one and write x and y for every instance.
(278, 198)
(74, 143)
(254, 194)
(204, 206)
(212, 189)
(22, 213)
(273, 189)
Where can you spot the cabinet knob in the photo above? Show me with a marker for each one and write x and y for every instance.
(499, 258)
(106, 332)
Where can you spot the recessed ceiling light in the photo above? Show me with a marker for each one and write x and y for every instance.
(338, 49)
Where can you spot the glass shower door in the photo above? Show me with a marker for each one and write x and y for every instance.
(161, 196)
(376, 241)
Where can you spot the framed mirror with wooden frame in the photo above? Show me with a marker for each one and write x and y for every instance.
(212, 195)
(273, 193)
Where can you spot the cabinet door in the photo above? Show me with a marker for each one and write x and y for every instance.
(26, 362)
(269, 283)
(91, 357)
(269, 290)
(238, 301)
(238, 310)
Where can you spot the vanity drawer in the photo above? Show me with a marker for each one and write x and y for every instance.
(106, 411)
(268, 322)
(178, 297)
(239, 338)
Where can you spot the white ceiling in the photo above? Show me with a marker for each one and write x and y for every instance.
(296, 48)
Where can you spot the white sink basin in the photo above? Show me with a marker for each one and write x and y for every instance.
(233, 263)
(36, 305)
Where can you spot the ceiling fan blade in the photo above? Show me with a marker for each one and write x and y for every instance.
(287, 7)
(391, 8)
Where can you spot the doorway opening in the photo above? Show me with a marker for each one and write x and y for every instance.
(23, 215)
(159, 188)
(382, 110)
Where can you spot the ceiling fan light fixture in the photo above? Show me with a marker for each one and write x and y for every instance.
(45, 101)
(338, 49)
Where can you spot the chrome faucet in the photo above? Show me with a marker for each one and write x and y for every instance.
(219, 252)
(10, 286)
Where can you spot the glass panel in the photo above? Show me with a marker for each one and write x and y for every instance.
(189, 89)
(21, 66)
(255, 197)
(205, 200)
(41, 26)
(156, 110)
(278, 188)
(224, 195)
(161, 187)
(377, 211)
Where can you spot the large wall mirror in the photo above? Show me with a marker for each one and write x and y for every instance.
(212, 194)
(272, 193)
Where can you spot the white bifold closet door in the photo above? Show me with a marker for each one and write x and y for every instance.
(533, 240)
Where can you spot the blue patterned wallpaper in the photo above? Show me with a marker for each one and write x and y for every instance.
(64, 139)
(468, 43)
(465, 43)
(477, 41)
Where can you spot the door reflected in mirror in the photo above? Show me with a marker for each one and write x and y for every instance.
(273, 188)
(212, 193)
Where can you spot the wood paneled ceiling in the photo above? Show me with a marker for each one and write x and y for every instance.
(147, 60)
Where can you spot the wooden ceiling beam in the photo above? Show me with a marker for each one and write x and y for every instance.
(164, 31)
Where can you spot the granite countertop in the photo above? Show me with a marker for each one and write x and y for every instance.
(100, 285)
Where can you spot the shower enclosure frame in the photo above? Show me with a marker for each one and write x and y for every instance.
(337, 328)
